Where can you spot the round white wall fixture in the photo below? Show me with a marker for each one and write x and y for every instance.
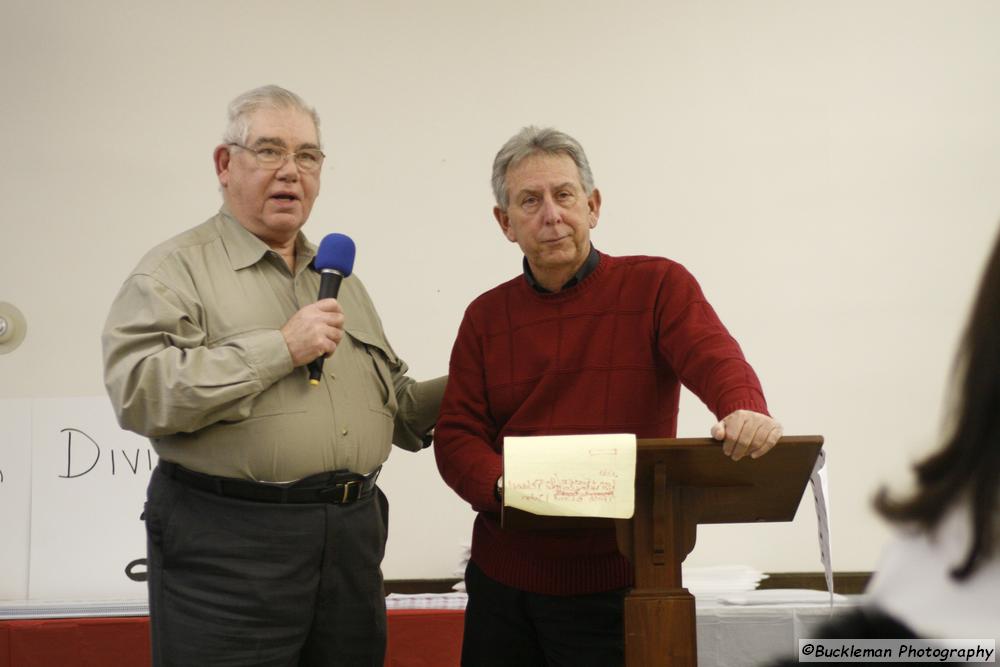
(12, 327)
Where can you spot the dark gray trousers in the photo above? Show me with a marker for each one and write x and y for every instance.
(236, 582)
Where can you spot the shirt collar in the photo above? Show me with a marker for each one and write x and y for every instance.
(593, 259)
(245, 249)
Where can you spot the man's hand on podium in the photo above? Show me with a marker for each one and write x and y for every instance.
(745, 432)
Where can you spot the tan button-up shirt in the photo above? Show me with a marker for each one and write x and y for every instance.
(195, 360)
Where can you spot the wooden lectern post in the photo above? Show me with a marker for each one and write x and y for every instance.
(679, 483)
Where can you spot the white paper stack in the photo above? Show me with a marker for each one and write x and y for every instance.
(712, 582)
(795, 597)
(426, 601)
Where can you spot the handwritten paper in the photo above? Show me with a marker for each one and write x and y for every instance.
(571, 475)
(88, 484)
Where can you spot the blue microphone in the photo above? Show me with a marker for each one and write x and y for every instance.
(334, 262)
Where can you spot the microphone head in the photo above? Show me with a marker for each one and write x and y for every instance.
(336, 253)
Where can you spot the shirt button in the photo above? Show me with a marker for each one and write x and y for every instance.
(343, 431)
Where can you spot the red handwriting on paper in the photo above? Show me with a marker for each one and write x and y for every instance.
(556, 488)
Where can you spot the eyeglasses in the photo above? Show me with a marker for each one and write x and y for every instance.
(272, 157)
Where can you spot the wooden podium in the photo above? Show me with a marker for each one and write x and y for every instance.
(680, 483)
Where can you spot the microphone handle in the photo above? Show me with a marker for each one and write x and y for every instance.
(329, 286)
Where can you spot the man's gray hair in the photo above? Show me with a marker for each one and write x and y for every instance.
(530, 141)
(265, 97)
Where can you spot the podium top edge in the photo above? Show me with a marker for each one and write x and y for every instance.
(795, 440)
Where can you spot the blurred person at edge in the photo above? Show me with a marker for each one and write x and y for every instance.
(940, 578)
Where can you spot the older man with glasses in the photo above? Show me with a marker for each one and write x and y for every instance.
(265, 527)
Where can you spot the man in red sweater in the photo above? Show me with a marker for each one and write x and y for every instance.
(580, 343)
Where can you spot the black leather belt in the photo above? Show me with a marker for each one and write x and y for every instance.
(339, 487)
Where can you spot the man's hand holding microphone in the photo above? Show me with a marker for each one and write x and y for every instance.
(314, 331)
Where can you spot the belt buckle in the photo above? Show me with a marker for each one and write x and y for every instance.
(347, 490)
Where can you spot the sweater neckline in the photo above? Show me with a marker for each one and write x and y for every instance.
(569, 292)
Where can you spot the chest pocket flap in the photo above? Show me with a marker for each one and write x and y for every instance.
(375, 357)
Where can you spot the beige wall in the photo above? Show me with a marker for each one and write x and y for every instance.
(828, 170)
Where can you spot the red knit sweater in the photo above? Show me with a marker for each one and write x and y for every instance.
(607, 355)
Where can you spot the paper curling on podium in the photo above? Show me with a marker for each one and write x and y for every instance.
(571, 475)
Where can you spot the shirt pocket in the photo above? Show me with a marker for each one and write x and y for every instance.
(276, 399)
(377, 360)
